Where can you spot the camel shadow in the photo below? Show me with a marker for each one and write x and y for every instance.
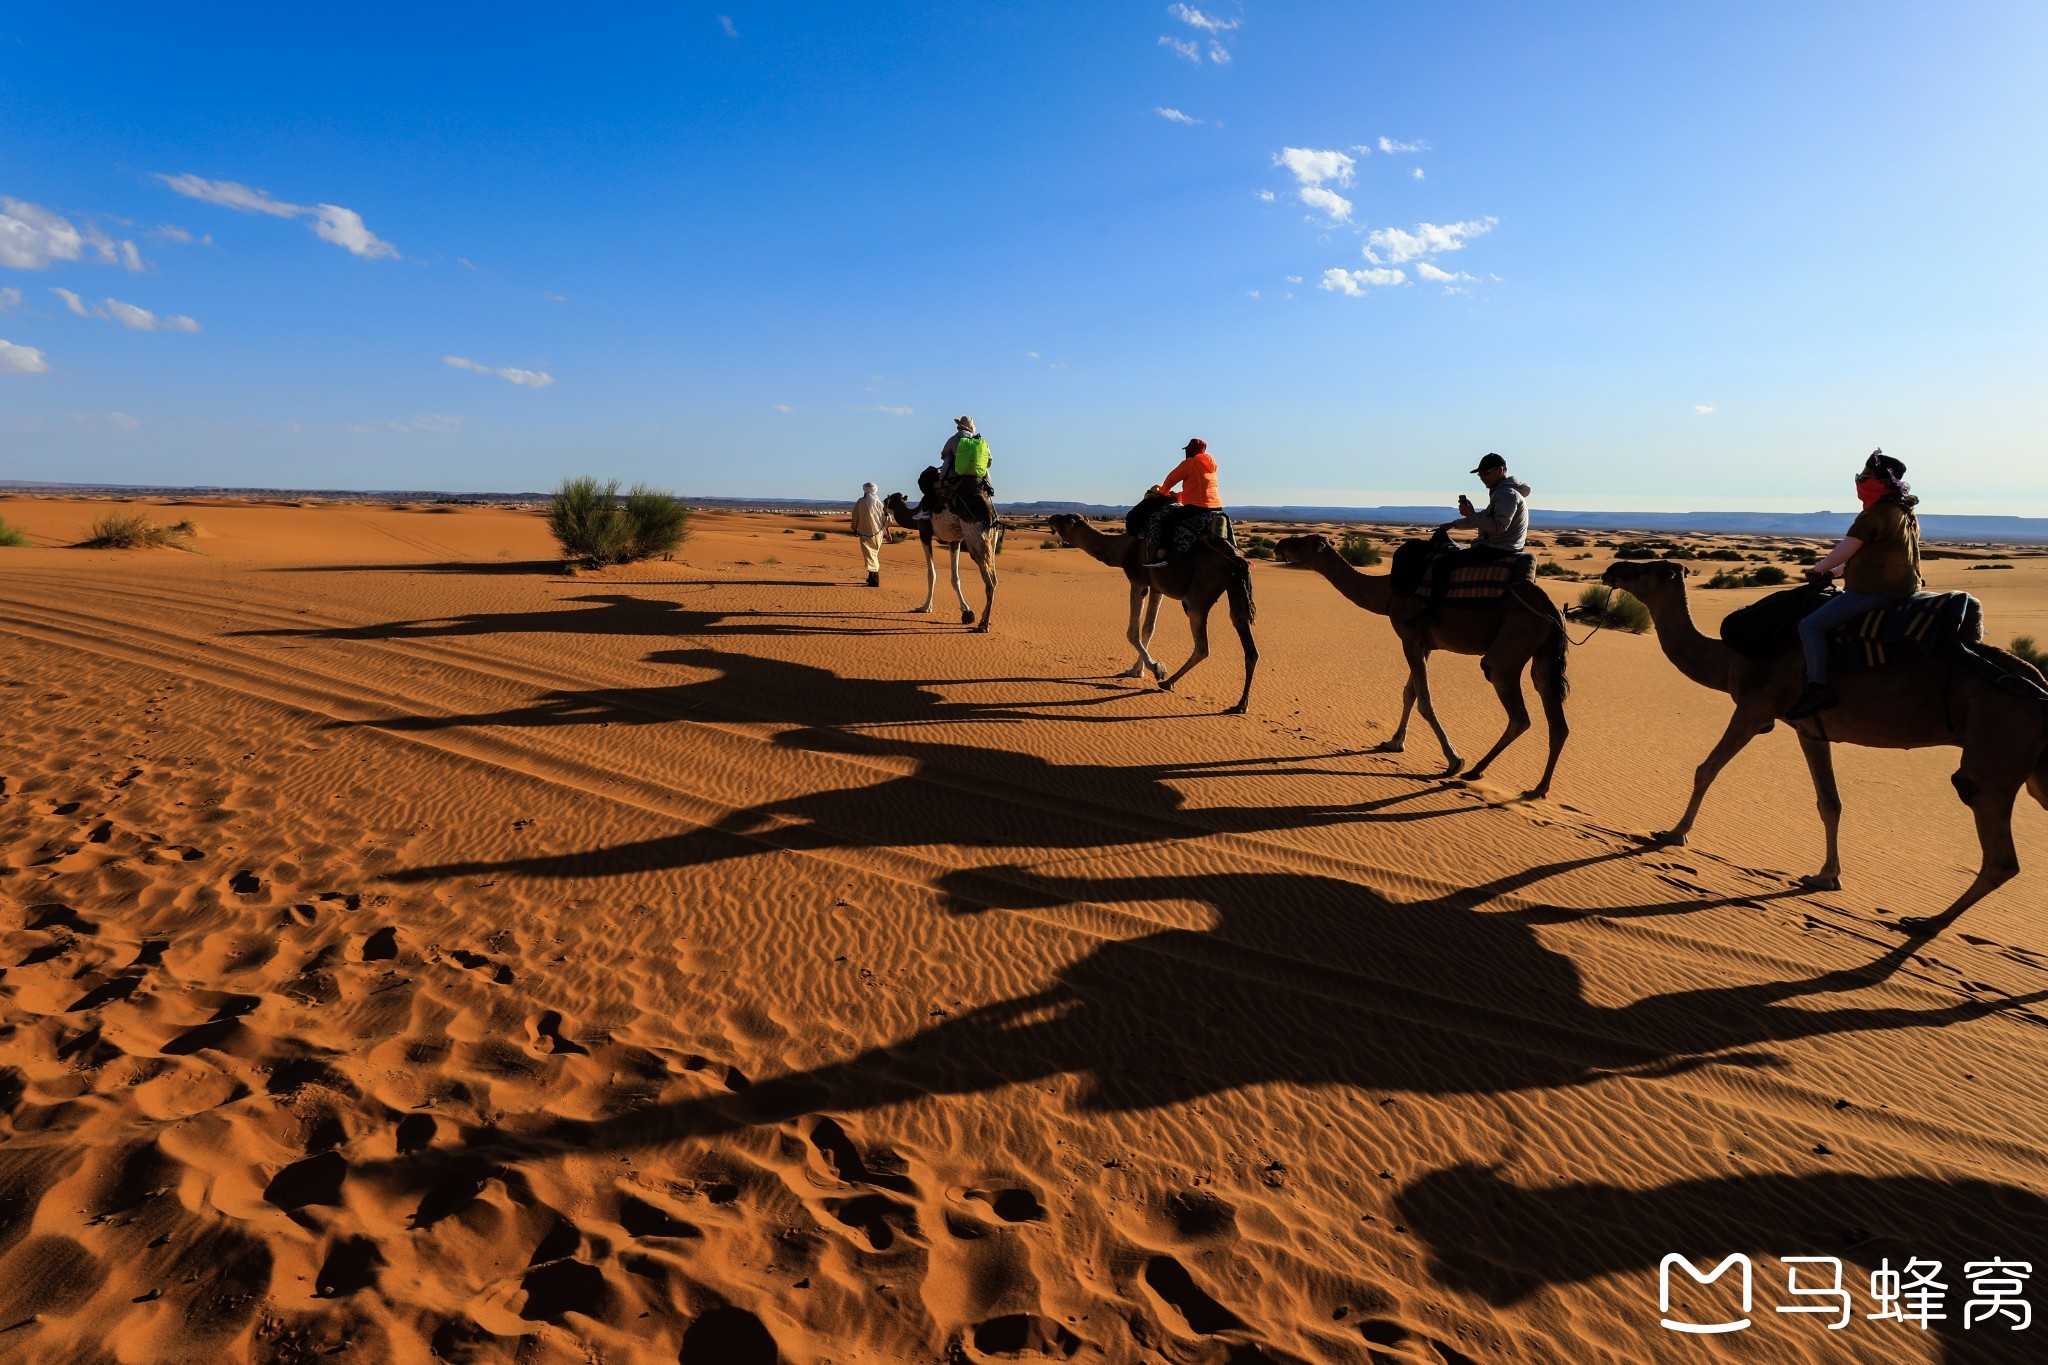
(608, 615)
(1492, 1238)
(945, 798)
(1300, 979)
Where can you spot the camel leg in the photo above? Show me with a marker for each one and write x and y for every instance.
(1418, 683)
(931, 575)
(1990, 792)
(1506, 678)
(966, 612)
(1198, 627)
(1239, 595)
(1820, 761)
(1745, 725)
(983, 562)
(1548, 675)
(1145, 609)
(1153, 597)
(1399, 741)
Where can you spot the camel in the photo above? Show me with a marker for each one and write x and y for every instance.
(1507, 639)
(1194, 580)
(954, 531)
(1914, 704)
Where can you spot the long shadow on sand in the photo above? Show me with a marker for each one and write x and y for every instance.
(958, 793)
(1302, 979)
(608, 614)
(1504, 1242)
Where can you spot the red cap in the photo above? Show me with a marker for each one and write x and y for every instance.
(1197, 446)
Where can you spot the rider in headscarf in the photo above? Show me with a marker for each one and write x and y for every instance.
(1879, 561)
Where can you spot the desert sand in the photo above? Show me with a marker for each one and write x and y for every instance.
(409, 950)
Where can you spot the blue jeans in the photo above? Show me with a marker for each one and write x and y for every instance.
(1813, 631)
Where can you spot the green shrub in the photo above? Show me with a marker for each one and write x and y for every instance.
(1973, 566)
(2023, 647)
(1535, 544)
(1358, 551)
(1799, 554)
(1616, 611)
(592, 523)
(134, 531)
(1727, 579)
(1549, 570)
(817, 535)
(1633, 551)
(1768, 576)
(1571, 542)
(1723, 553)
(12, 535)
(1052, 543)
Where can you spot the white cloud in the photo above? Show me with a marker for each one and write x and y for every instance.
(9, 298)
(344, 228)
(1417, 173)
(432, 422)
(1251, 293)
(1032, 354)
(171, 232)
(1174, 115)
(21, 359)
(1294, 279)
(725, 22)
(1218, 53)
(1388, 145)
(32, 238)
(1264, 196)
(1182, 47)
(883, 407)
(554, 298)
(134, 318)
(784, 407)
(1427, 239)
(1329, 203)
(1311, 167)
(1208, 23)
(121, 421)
(1704, 409)
(1424, 270)
(533, 379)
(1353, 282)
(331, 222)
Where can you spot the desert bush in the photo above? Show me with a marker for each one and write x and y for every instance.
(2023, 647)
(1534, 544)
(1973, 566)
(1051, 543)
(1615, 610)
(1727, 578)
(1634, 550)
(817, 535)
(1549, 570)
(134, 531)
(1723, 553)
(592, 523)
(1571, 542)
(895, 537)
(1799, 554)
(1259, 547)
(1768, 576)
(12, 535)
(1359, 551)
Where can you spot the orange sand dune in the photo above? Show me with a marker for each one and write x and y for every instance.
(413, 951)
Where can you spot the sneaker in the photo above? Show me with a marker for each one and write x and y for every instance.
(1816, 698)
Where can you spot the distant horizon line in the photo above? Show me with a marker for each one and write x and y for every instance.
(1947, 525)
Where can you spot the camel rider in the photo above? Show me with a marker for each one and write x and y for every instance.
(955, 465)
(1503, 527)
(1195, 477)
(1879, 561)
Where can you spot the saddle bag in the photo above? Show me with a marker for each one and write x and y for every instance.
(1769, 625)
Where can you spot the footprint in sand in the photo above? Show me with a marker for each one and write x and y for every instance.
(381, 946)
(1169, 1279)
(729, 1336)
(546, 1035)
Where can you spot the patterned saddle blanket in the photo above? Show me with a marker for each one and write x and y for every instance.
(1175, 528)
(1905, 629)
(1483, 583)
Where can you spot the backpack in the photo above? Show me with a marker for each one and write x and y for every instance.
(970, 458)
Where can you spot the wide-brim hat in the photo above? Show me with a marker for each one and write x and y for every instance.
(964, 423)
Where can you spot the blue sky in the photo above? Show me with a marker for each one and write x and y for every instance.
(1661, 257)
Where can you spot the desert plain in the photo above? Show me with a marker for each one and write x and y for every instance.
(410, 951)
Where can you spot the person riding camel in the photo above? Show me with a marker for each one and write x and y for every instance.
(1503, 527)
(1195, 477)
(1879, 561)
(964, 457)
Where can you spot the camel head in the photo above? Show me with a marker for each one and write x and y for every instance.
(1647, 580)
(1062, 523)
(1304, 550)
(896, 502)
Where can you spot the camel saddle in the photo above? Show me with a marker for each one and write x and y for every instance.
(1928, 623)
(967, 498)
(1175, 528)
(1481, 585)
